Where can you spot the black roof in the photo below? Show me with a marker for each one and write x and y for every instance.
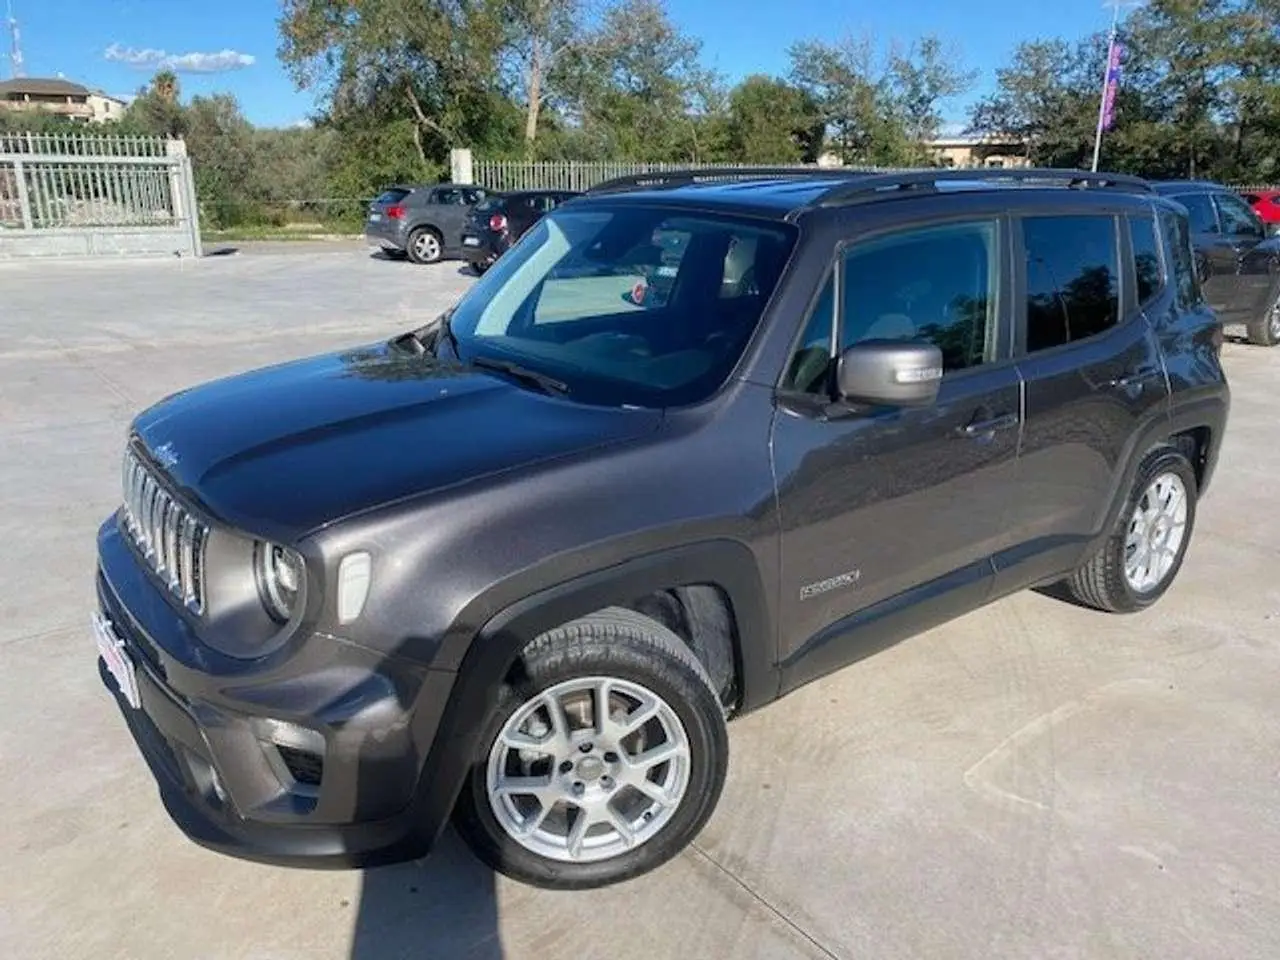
(787, 192)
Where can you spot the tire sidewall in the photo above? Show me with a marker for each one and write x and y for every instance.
(1163, 461)
(693, 702)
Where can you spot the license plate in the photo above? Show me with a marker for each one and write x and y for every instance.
(119, 664)
(375, 217)
(471, 241)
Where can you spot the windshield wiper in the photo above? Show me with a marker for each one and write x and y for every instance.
(547, 384)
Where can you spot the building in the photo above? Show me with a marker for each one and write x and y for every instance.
(984, 151)
(60, 97)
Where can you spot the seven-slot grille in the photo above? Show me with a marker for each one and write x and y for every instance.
(170, 538)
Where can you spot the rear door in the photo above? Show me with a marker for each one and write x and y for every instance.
(1093, 382)
(448, 212)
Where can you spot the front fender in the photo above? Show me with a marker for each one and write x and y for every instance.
(487, 655)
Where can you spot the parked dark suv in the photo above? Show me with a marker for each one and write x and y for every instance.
(1239, 258)
(502, 219)
(520, 565)
(423, 223)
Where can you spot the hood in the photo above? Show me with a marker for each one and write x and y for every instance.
(284, 450)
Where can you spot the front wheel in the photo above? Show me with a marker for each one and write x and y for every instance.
(602, 761)
(1142, 556)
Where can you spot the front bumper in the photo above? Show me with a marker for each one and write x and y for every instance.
(205, 727)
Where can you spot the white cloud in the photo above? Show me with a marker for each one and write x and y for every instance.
(150, 59)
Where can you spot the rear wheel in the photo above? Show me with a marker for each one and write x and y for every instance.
(602, 761)
(424, 245)
(1142, 556)
(1265, 330)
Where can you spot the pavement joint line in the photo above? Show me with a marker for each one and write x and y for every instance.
(760, 899)
(38, 635)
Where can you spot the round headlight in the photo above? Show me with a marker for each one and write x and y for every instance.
(279, 573)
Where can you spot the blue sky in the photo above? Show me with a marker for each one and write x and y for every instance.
(230, 45)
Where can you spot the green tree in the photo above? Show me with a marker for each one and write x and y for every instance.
(771, 121)
(634, 87)
(384, 67)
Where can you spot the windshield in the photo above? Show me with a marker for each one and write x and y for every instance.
(629, 305)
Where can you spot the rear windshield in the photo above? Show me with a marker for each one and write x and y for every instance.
(391, 196)
(490, 203)
(627, 305)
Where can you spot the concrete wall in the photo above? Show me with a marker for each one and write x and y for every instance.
(97, 242)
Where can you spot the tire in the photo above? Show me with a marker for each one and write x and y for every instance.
(1265, 330)
(648, 671)
(480, 268)
(424, 245)
(1115, 579)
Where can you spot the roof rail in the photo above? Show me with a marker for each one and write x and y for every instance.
(666, 179)
(877, 185)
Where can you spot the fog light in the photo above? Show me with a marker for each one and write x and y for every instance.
(285, 734)
(354, 576)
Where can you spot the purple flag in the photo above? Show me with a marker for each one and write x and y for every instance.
(1113, 85)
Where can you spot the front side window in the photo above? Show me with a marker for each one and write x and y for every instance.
(627, 305)
(1200, 211)
(1073, 280)
(1238, 219)
(937, 284)
(1147, 266)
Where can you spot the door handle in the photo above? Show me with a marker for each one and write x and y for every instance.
(984, 428)
(1134, 378)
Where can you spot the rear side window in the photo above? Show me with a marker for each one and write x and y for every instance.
(1238, 218)
(1073, 284)
(391, 196)
(1147, 266)
(1200, 210)
(1182, 269)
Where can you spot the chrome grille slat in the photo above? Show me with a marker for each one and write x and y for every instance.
(169, 537)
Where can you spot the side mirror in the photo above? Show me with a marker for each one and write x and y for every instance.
(899, 373)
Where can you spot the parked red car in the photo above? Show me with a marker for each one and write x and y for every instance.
(1266, 204)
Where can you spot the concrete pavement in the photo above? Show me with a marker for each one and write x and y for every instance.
(1034, 780)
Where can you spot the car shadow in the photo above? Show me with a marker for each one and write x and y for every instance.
(443, 906)
(382, 254)
(1060, 591)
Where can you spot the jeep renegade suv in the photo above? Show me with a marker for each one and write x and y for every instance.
(520, 565)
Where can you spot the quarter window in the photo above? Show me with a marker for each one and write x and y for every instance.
(1182, 269)
(1147, 267)
(1073, 288)
(810, 368)
(937, 284)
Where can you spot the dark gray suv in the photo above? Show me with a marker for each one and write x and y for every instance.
(424, 223)
(694, 441)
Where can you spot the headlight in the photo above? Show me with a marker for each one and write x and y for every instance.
(279, 572)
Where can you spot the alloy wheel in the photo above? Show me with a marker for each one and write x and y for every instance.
(426, 246)
(1156, 531)
(588, 769)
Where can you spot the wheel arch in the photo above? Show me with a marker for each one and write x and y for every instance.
(493, 648)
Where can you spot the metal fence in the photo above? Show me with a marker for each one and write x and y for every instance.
(575, 174)
(74, 183)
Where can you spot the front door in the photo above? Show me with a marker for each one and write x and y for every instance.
(883, 509)
(1246, 235)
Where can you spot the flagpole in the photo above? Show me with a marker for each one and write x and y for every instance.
(1106, 83)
